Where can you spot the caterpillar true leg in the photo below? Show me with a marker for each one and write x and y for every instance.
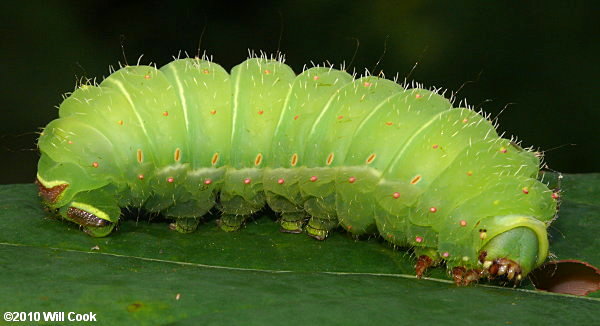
(427, 257)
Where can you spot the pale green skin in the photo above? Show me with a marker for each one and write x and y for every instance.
(474, 179)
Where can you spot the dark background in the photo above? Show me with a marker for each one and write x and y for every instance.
(538, 59)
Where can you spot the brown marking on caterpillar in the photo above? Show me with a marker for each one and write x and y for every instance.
(177, 155)
(294, 160)
(415, 180)
(329, 159)
(51, 194)
(85, 218)
(258, 159)
(140, 156)
(215, 158)
(371, 158)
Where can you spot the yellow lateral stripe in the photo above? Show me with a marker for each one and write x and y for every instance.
(50, 184)
(91, 209)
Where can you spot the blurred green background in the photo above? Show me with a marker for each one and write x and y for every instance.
(537, 59)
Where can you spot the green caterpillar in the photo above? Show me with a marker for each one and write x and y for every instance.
(322, 149)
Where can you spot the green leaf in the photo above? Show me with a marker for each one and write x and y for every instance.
(146, 274)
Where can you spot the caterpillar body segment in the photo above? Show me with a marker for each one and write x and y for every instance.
(322, 149)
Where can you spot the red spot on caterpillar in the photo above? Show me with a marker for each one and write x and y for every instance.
(435, 146)
(177, 155)
(389, 123)
(433, 209)
(389, 235)
(465, 120)
(215, 158)
(349, 227)
(503, 150)
(206, 71)
(260, 112)
(141, 176)
(340, 117)
(95, 164)
(69, 142)
(418, 96)
(396, 195)
(267, 71)
(294, 160)
(371, 158)
(258, 159)
(525, 190)
(147, 77)
(170, 179)
(166, 113)
(247, 181)
(296, 117)
(415, 180)
(446, 254)
(329, 159)
(120, 122)
(367, 84)
(207, 181)
(316, 77)
(469, 173)
(213, 112)
(555, 195)
(418, 239)
(463, 223)
(351, 179)
(313, 178)
(280, 181)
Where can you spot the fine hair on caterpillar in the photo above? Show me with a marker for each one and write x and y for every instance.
(323, 149)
